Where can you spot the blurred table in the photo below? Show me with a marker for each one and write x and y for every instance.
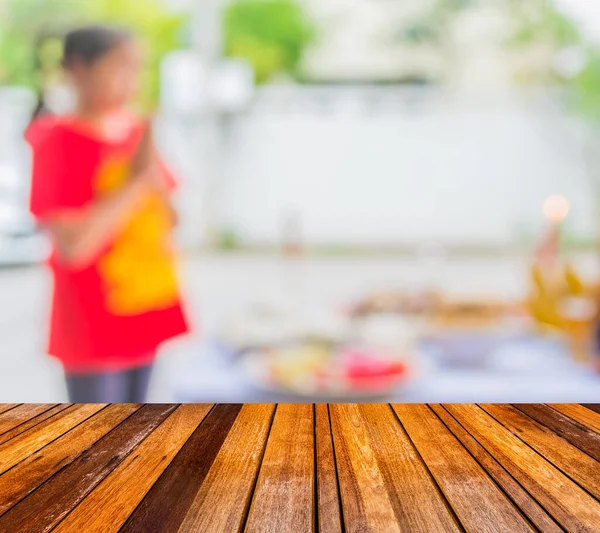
(523, 375)
(299, 468)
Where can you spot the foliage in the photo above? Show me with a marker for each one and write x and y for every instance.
(271, 34)
(586, 89)
(159, 32)
(229, 240)
(22, 22)
(538, 21)
(30, 30)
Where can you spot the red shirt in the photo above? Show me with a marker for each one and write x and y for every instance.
(113, 313)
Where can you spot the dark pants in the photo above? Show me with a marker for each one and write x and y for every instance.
(129, 386)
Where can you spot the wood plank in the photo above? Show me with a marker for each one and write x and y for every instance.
(572, 507)
(5, 437)
(28, 442)
(592, 406)
(164, 507)
(477, 501)
(416, 499)
(20, 414)
(44, 508)
(328, 496)
(17, 430)
(109, 505)
(579, 436)
(224, 498)
(285, 491)
(400, 468)
(383, 484)
(7, 407)
(580, 414)
(571, 460)
(523, 500)
(365, 500)
(25, 477)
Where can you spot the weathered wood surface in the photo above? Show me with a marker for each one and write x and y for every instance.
(314, 468)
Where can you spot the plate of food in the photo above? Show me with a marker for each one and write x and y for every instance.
(318, 369)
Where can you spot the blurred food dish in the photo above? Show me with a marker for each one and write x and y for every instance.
(470, 314)
(319, 369)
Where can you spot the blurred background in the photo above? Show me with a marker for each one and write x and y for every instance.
(343, 164)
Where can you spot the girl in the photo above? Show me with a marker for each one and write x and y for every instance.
(100, 190)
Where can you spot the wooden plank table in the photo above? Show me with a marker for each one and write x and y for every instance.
(296, 468)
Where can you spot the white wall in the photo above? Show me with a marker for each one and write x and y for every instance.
(458, 171)
(367, 166)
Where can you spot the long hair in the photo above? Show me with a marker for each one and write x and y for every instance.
(86, 45)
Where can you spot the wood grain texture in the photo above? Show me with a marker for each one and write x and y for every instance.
(285, 491)
(164, 507)
(572, 507)
(28, 442)
(328, 498)
(414, 495)
(564, 427)
(110, 504)
(20, 414)
(592, 406)
(40, 466)
(24, 425)
(477, 501)
(45, 507)
(383, 484)
(365, 500)
(301, 468)
(568, 458)
(522, 499)
(224, 497)
(585, 417)
(7, 407)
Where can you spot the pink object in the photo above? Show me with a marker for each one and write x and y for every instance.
(360, 364)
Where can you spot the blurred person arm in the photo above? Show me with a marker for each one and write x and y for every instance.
(80, 234)
(165, 184)
(81, 229)
(165, 190)
(147, 158)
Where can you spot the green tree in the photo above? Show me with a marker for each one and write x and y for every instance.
(585, 89)
(271, 34)
(22, 24)
(538, 21)
(159, 32)
(30, 31)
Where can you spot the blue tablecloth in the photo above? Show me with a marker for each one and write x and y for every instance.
(520, 370)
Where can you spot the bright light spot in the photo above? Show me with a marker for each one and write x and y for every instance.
(556, 208)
